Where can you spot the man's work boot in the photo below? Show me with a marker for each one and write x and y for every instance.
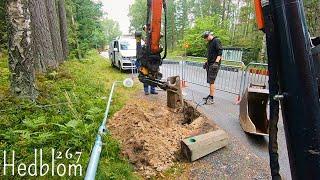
(206, 98)
(210, 100)
(154, 92)
(146, 93)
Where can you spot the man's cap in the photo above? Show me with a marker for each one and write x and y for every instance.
(206, 34)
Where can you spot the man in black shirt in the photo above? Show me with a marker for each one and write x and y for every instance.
(213, 62)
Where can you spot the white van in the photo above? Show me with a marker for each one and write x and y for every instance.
(122, 53)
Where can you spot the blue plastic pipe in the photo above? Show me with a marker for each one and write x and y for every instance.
(96, 151)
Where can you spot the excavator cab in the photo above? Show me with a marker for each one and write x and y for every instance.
(253, 110)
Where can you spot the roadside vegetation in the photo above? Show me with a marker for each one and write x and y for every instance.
(232, 21)
(67, 114)
(53, 95)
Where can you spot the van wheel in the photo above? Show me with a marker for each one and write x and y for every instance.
(112, 64)
(120, 67)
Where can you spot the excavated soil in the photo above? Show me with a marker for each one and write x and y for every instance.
(150, 132)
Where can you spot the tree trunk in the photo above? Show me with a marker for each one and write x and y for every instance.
(316, 18)
(3, 29)
(228, 9)
(223, 11)
(63, 27)
(20, 53)
(247, 20)
(54, 30)
(236, 17)
(185, 17)
(172, 32)
(42, 43)
(79, 56)
(262, 53)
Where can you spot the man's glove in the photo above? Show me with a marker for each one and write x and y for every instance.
(215, 65)
(205, 65)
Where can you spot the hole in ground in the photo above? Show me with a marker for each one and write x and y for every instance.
(190, 113)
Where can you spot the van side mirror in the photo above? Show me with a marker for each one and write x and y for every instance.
(116, 49)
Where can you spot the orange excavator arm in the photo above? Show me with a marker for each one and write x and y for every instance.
(149, 56)
(155, 25)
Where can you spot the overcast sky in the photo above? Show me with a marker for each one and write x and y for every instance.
(118, 10)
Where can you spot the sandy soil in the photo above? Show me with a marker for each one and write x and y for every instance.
(150, 133)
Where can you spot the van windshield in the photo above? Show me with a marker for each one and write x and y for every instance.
(128, 45)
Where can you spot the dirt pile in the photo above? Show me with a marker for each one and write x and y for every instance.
(150, 134)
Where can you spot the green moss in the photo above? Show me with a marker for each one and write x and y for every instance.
(66, 115)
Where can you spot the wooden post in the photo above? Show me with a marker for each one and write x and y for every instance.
(198, 146)
(174, 93)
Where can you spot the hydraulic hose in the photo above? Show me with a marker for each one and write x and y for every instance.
(148, 34)
(165, 29)
(273, 49)
(299, 103)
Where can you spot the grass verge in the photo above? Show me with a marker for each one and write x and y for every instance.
(66, 115)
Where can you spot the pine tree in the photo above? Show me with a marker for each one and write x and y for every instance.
(41, 37)
(3, 28)
(63, 27)
(54, 30)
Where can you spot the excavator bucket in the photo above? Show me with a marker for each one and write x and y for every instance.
(253, 110)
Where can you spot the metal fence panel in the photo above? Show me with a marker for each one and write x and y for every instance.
(233, 77)
(232, 54)
(255, 73)
(171, 68)
(228, 78)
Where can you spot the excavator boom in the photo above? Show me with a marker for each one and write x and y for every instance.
(155, 25)
(149, 55)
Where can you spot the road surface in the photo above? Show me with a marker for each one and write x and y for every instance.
(225, 112)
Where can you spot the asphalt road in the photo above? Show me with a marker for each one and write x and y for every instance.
(225, 112)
